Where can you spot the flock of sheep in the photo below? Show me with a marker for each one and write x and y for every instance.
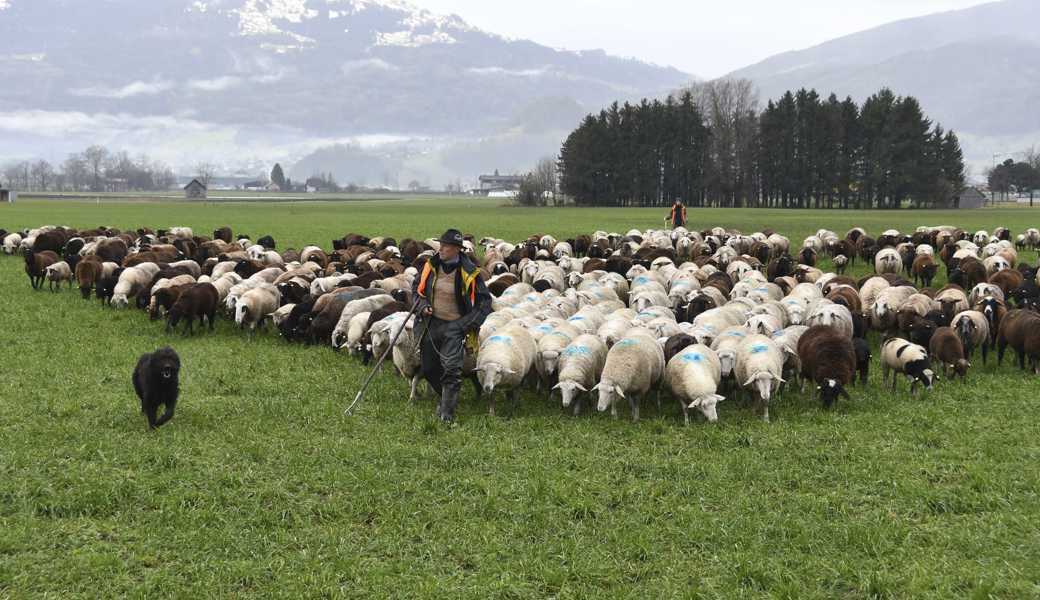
(607, 316)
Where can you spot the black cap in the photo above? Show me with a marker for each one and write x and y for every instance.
(453, 237)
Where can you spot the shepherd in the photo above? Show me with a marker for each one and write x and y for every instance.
(678, 215)
(453, 302)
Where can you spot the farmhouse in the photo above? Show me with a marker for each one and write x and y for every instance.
(254, 186)
(970, 197)
(195, 190)
(8, 196)
(499, 183)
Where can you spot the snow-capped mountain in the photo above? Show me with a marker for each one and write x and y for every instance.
(210, 78)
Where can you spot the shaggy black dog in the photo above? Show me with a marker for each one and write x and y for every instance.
(156, 383)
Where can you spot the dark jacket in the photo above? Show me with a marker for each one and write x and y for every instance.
(474, 301)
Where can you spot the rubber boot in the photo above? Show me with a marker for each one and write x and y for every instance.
(449, 401)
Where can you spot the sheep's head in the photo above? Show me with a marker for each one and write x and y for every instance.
(763, 383)
(707, 405)
(569, 390)
(609, 393)
(120, 301)
(549, 360)
(490, 375)
(241, 314)
(728, 358)
(830, 390)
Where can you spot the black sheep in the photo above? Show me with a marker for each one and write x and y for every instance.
(267, 242)
(156, 381)
(106, 286)
(829, 360)
(862, 348)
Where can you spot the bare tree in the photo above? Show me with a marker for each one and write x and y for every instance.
(204, 172)
(14, 175)
(77, 172)
(545, 177)
(95, 157)
(41, 172)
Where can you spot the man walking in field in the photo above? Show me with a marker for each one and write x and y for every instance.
(453, 303)
(678, 215)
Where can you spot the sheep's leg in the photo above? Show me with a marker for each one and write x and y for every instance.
(613, 410)
(1021, 359)
(633, 402)
(985, 353)
(812, 393)
(411, 392)
(577, 405)
(765, 410)
(685, 413)
(514, 399)
(491, 403)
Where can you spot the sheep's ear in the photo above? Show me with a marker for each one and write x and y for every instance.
(718, 398)
(749, 381)
(558, 386)
(695, 404)
(619, 391)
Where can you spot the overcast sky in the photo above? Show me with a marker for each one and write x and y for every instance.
(707, 38)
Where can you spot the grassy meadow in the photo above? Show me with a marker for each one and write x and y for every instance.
(261, 487)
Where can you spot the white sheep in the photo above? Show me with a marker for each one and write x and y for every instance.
(406, 359)
(57, 273)
(694, 376)
(11, 243)
(256, 305)
(581, 364)
(503, 361)
(550, 346)
(835, 315)
(725, 347)
(888, 261)
(759, 368)
(132, 281)
(634, 364)
(341, 333)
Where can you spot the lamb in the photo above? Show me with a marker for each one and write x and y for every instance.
(899, 356)
(360, 304)
(694, 375)
(841, 262)
(759, 368)
(581, 365)
(973, 329)
(355, 334)
(198, 301)
(504, 360)
(57, 273)
(946, 347)
(828, 359)
(634, 364)
(406, 359)
(164, 298)
(924, 269)
(256, 305)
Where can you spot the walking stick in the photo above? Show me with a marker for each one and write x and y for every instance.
(375, 369)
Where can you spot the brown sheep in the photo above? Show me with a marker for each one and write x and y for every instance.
(828, 359)
(1020, 329)
(924, 269)
(1007, 280)
(88, 271)
(198, 301)
(946, 347)
(36, 264)
(847, 297)
(164, 299)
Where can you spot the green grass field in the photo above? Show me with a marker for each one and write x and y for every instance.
(262, 487)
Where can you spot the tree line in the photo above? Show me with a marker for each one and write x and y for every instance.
(709, 145)
(95, 169)
(1022, 177)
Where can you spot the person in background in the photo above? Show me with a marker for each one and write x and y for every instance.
(678, 215)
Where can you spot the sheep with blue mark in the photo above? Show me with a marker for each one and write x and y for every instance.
(504, 361)
(759, 369)
(550, 346)
(725, 346)
(634, 365)
(694, 375)
(581, 364)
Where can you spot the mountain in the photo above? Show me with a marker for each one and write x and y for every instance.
(975, 70)
(271, 79)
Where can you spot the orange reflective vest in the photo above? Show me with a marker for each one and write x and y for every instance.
(469, 283)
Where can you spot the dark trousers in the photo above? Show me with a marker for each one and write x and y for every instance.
(443, 351)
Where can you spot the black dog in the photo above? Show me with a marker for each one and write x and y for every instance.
(156, 383)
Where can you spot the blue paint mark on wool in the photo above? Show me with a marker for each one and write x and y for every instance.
(577, 351)
(502, 339)
(759, 348)
(626, 342)
(544, 328)
(692, 357)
